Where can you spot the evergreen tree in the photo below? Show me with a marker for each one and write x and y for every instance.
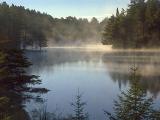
(137, 27)
(19, 27)
(12, 70)
(15, 83)
(78, 106)
(134, 104)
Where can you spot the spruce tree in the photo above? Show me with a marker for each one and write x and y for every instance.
(16, 85)
(78, 107)
(138, 27)
(134, 104)
(12, 72)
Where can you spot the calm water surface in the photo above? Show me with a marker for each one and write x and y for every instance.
(100, 76)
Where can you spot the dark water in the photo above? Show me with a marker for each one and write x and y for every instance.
(100, 76)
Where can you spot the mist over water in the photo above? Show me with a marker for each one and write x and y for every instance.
(68, 57)
(99, 74)
(72, 31)
(88, 47)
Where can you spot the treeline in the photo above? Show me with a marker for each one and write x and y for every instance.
(74, 31)
(20, 27)
(136, 27)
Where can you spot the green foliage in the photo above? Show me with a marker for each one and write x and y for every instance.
(12, 70)
(134, 104)
(4, 115)
(73, 31)
(20, 27)
(78, 106)
(16, 86)
(136, 27)
(3, 102)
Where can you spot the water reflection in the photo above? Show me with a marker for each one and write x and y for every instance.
(148, 63)
(99, 75)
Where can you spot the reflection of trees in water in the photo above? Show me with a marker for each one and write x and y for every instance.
(130, 57)
(16, 87)
(134, 104)
(119, 64)
(150, 83)
(54, 57)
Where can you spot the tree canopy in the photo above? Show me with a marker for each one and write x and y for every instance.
(20, 27)
(136, 27)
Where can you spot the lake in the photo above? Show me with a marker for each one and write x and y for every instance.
(99, 75)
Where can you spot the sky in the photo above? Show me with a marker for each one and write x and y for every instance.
(78, 8)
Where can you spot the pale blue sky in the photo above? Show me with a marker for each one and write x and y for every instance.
(77, 8)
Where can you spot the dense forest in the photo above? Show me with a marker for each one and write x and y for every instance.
(73, 31)
(136, 27)
(21, 27)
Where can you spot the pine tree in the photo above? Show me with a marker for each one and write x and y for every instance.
(15, 83)
(78, 106)
(134, 104)
(12, 70)
(137, 28)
